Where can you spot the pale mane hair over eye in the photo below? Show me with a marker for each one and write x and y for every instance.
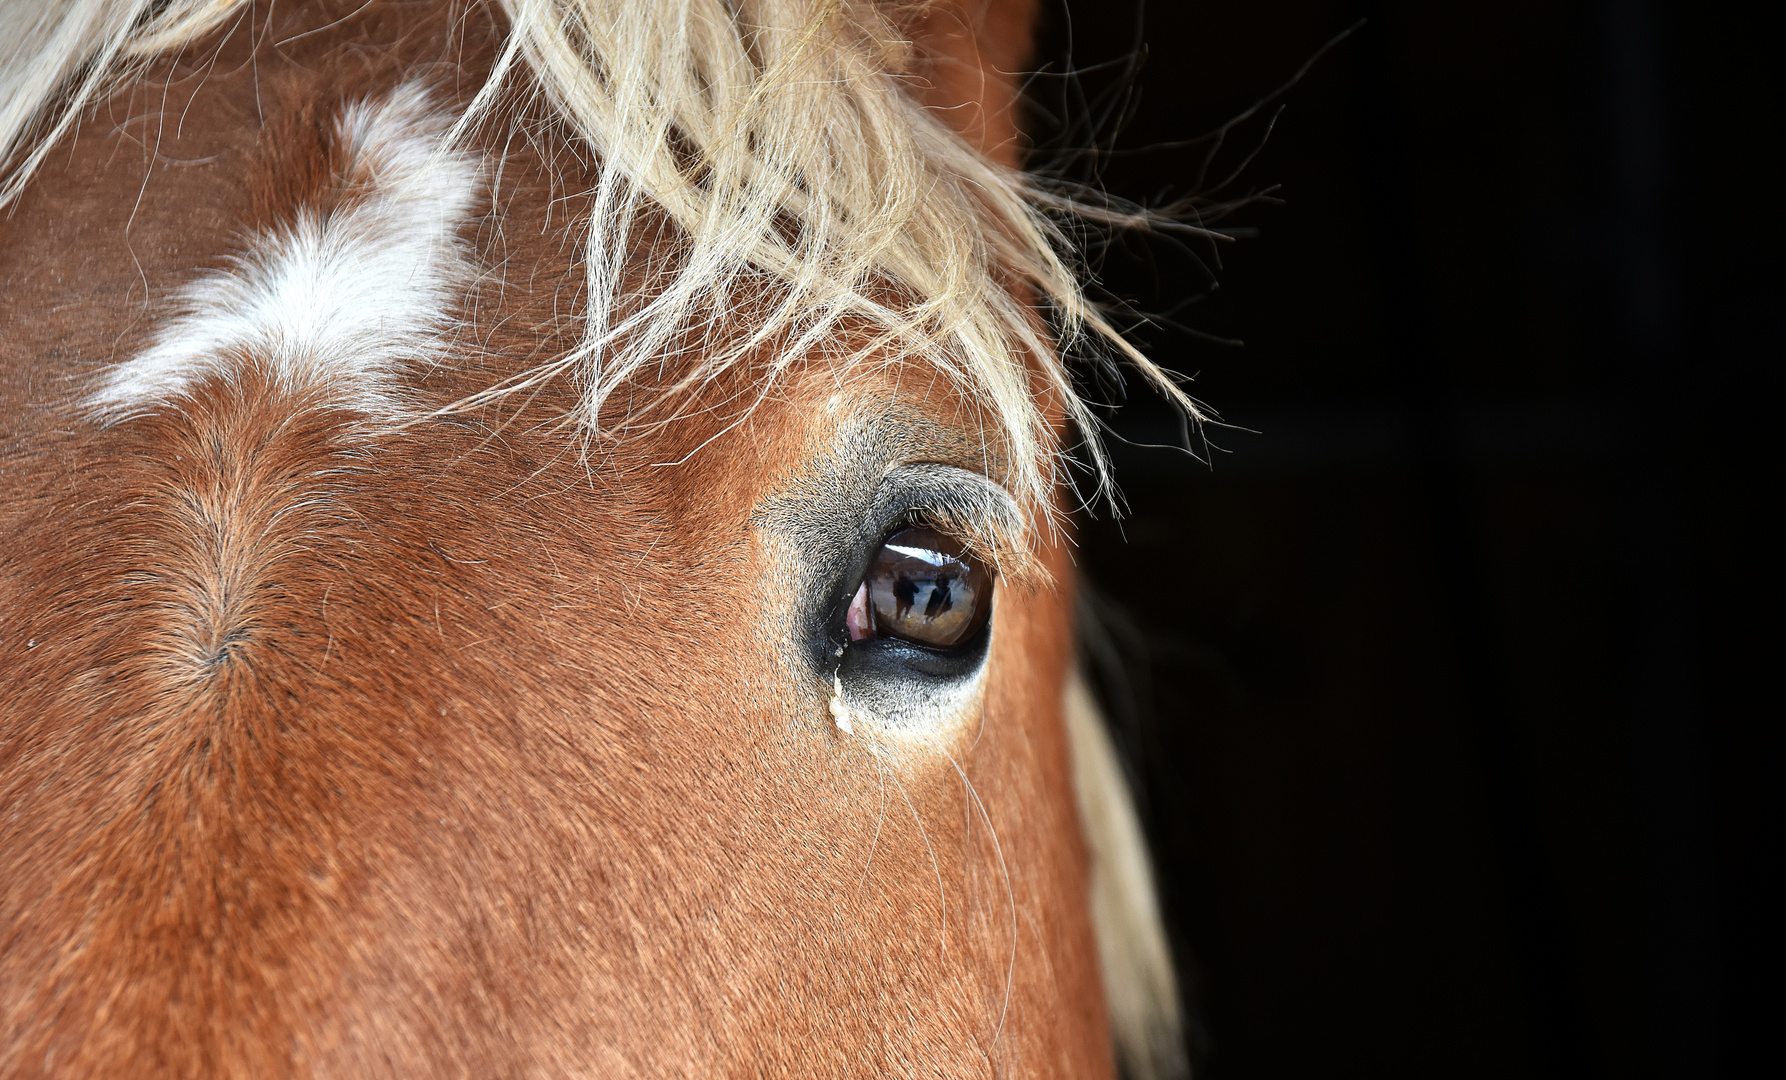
(781, 140)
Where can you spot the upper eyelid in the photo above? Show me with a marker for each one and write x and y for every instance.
(968, 506)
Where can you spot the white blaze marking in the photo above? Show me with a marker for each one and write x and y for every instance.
(342, 297)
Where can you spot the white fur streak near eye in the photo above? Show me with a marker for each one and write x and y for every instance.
(840, 710)
(343, 296)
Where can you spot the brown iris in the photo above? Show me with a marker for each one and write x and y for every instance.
(923, 587)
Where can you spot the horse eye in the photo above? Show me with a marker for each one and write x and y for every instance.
(922, 588)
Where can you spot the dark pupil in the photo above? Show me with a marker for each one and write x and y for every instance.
(924, 589)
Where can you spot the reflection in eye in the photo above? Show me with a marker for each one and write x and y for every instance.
(923, 588)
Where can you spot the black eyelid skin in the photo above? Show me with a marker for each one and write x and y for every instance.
(888, 657)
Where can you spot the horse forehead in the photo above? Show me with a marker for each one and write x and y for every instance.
(336, 257)
(348, 276)
(347, 283)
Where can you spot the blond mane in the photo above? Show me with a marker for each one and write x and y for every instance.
(779, 137)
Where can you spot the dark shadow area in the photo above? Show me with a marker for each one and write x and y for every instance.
(1446, 683)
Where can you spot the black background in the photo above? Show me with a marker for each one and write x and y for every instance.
(1448, 684)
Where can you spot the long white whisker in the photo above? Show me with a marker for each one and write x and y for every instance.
(880, 819)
